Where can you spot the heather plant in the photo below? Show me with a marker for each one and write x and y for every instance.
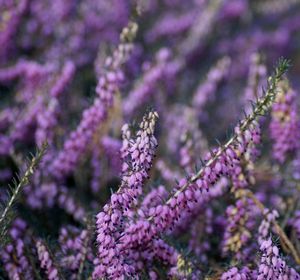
(166, 134)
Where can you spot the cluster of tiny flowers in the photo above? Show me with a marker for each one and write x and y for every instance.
(46, 261)
(165, 216)
(163, 70)
(238, 274)
(206, 91)
(285, 123)
(272, 266)
(266, 225)
(155, 197)
(93, 116)
(47, 119)
(240, 219)
(74, 247)
(137, 154)
(246, 151)
(13, 255)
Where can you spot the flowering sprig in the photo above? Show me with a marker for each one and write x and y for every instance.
(285, 123)
(47, 118)
(108, 84)
(13, 255)
(75, 249)
(235, 273)
(171, 25)
(206, 90)
(222, 162)
(259, 108)
(239, 228)
(46, 261)
(137, 154)
(155, 197)
(272, 266)
(163, 69)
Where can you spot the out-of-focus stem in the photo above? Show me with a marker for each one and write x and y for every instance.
(16, 191)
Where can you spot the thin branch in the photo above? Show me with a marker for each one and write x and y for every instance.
(24, 180)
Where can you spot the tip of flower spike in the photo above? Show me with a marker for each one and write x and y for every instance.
(148, 122)
(129, 32)
(282, 66)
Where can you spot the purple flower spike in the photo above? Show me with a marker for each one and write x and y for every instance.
(46, 261)
(137, 154)
(285, 123)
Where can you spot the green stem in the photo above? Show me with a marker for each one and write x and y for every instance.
(4, 218)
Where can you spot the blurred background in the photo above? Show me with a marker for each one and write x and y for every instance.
(196, 62)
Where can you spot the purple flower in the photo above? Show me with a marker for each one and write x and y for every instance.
(137, 154)
(272, 266)
(285, 124)
(46, 261)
